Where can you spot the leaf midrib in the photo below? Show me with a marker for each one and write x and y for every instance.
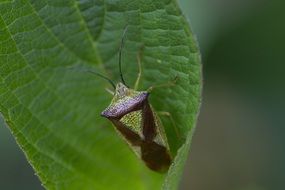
(55, 159)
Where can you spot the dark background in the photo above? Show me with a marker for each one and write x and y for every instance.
(239, 140)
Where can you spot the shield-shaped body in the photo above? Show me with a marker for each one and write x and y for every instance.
(137, 123)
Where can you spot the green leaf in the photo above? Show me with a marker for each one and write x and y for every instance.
(53, 108)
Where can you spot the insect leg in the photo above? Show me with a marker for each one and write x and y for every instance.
(139, 55)
(164, 113)
(110, 91)
(168, 84)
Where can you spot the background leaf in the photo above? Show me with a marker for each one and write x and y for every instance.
(54, 111)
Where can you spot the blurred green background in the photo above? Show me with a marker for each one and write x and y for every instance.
(239, 140)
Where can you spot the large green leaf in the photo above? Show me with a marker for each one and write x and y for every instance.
(53, 108)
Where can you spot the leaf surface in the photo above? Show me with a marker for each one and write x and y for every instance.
(52, 106)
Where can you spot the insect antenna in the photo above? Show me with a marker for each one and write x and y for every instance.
(120, 55)
(99, 75)
(104, 77)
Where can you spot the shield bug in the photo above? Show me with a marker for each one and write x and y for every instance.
(136, 122)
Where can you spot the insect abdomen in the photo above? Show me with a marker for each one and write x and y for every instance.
(155, 156)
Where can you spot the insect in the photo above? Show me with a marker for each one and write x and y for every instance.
(136, 122)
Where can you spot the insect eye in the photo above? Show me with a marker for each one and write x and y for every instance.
(146, 93)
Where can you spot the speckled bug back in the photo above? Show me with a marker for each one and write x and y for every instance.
(124, 100)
